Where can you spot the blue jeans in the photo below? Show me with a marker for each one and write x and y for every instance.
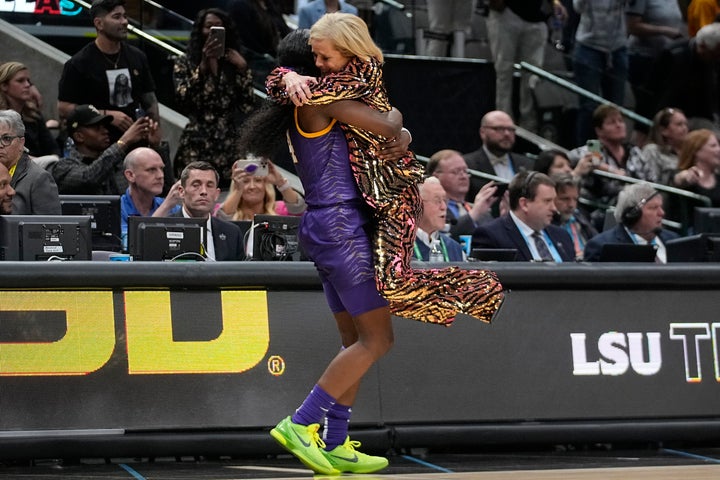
(603, 74)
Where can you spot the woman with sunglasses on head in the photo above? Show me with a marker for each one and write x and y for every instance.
(667, 134)
(387, 175)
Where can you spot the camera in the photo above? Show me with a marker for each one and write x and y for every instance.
(253, 165)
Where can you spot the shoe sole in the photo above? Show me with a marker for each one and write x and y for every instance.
(280, 438)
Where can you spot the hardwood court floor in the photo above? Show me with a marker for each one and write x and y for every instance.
(591, 464)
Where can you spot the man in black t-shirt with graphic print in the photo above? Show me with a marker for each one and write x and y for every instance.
(109, 73)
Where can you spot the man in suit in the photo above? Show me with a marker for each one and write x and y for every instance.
(568, 217)
(639, 213)
(497, 132)
(199, 193)
(527, 227)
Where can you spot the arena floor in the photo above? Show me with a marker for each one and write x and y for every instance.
(561, 463)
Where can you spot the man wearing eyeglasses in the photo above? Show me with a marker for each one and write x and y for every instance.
(450, 168)
(35, 190)
(6, 191)
(497, 132)
(431, 244)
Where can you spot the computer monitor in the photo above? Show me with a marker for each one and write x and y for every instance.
(104, 211)
(707, 220)
(275, 238)
(167, 238)
(627, 252)
(45, 237)
(702, 247)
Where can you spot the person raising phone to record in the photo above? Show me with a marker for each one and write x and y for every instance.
(213, 86)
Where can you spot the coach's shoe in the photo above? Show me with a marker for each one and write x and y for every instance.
(345, 458)
(305, 443)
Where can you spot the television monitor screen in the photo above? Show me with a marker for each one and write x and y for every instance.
(167, 238)
(275, 238)
(104, 211)
(694, 248)
(45, 237)
(627, 252)
(707, 220)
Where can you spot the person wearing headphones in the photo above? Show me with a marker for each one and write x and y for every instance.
(639, 213)
(527, 227)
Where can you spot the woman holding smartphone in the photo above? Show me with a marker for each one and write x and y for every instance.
(213, 86)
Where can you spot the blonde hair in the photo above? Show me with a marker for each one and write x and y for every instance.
(268, 204)
(8, 70)
(694, 141)
(349, 33)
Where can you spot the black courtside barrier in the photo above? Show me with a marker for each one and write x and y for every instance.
(148, 359)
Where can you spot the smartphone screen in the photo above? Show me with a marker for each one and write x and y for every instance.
(219, 34)
(501, 189)
(593, 146)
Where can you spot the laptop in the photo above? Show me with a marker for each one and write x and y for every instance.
(627, 252)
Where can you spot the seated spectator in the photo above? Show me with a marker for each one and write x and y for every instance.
(464, 217)
(698, 165)
(527, 228)
(311, 12)
(93, 166)
(497, 132)
(616, 156)
(251, 194)
(668, 131)
(639, 213)
(16, 93)
(6, 191)
(144, 171)
(551, 162)
(574, 221)
(431, 244)
(35, 190)
(199, 192)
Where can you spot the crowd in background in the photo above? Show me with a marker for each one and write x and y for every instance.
(666, 52)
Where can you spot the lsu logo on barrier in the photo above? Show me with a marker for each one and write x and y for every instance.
(642, 352)
(87, 339)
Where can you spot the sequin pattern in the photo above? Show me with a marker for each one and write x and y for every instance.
(390, 188)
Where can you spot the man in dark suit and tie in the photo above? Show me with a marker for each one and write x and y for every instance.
(527, 228)
(639, 214)
(199, 192)
(497, 132)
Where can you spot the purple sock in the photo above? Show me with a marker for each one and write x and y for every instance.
(314, 408)
(337, 421)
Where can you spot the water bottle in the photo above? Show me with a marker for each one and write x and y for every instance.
(436, 255)
(556, 32)
(69, 146)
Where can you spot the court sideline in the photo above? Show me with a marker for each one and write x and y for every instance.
(551, 463)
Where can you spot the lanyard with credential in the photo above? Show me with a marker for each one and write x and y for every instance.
(418, 255)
